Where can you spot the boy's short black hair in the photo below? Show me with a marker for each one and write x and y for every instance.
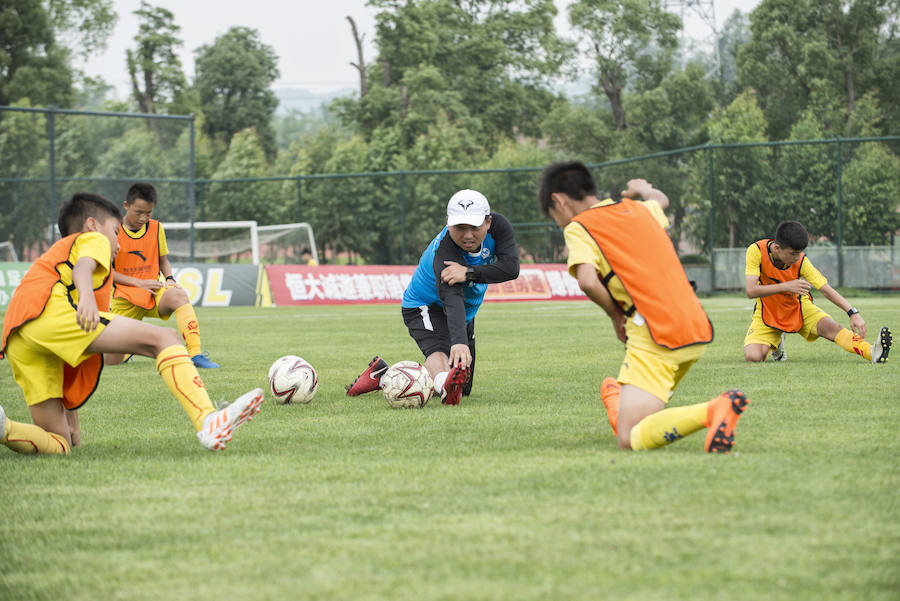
(143, 191)
(792, 234)
(572, 178)
(75, 211)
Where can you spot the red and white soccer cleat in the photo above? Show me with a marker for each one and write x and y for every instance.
(454, 384)
(370, 379)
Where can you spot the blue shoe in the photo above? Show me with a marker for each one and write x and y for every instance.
(202, 361)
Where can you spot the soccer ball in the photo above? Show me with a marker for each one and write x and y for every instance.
(406, 385)
(293, 380)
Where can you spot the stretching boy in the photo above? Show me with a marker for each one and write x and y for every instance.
(57, 326)
(625, 262)
(476, 248)
(784, 305)
(142, 257)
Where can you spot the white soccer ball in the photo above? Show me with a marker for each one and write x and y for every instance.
(406, 385)
(293, 380)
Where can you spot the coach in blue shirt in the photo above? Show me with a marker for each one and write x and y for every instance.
(476, 248)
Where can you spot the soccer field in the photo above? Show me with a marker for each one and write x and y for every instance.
(519, 493)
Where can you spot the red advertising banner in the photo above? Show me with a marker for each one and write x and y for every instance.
(362, 284)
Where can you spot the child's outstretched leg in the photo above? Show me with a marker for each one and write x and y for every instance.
(30, 439)
(665, 426)
(175, 367)
(855, 344)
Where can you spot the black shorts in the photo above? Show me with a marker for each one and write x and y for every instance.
(428, 327)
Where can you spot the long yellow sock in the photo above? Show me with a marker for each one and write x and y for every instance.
(189, 328)
(29, 439)
(181, 377)
(852, 343)
(667, 426)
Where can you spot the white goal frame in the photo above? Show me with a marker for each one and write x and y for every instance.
(254, 228)
(12, 251)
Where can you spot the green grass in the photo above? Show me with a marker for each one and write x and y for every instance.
(519, 493)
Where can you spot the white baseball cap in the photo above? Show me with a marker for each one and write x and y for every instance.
(469, 207)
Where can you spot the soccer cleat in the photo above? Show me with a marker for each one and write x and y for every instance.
(370, 379)
(882, 347)
(609, 394)
(780, 354)
(722, 416)
(454, 384)
(219, 426)
(202, 360)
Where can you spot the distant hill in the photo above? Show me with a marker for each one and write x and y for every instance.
(305, 100)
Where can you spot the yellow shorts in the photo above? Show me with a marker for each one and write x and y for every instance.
(653, 368)
(760, 333)
(123, 306)
(37, 350)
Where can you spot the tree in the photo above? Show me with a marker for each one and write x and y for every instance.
(235, 201)
(802, 49)
(482, 63)
(631, 42)
(233, 78)
(157, 79)
(742, 210)
(35, 37)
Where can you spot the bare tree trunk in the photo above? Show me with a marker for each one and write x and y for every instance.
(360, 65)
(613, 89)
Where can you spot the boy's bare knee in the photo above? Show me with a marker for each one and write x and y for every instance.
(754, 357)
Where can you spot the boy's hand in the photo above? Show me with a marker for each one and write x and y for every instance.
(858, 325)
(151, 285)
(86, 315)
(637, 188)
(453, 273)
(795, 287)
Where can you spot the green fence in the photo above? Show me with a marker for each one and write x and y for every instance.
(724, 196)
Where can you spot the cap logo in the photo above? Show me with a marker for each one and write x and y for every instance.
(465, 204)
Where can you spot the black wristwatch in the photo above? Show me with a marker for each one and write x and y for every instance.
(470, 274)
(170, 277)
(852, 311)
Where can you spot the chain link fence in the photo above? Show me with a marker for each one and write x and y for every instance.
(724, 196)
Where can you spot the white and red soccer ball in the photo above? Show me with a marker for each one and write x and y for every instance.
(293, 380)
(406, 385)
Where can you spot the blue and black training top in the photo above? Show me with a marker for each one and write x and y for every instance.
(497, 261)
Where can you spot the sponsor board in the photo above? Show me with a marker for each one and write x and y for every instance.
(362, 284)
(10, 276)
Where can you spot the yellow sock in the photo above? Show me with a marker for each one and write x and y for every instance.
(190, 330)
(667, 426)
(852, 343)
(29, 439)
(181, 377)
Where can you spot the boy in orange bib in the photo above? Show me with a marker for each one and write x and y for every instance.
(141, 260)
(58, 325)
(779, 276)
(625, 262)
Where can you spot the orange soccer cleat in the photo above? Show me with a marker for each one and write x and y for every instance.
(722, 416)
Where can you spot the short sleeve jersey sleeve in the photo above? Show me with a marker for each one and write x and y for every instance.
(163, 246)
(95, 246)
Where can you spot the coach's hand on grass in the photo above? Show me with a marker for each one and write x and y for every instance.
(86, 315)
(858, 325)
(460, 355)
(453, 273)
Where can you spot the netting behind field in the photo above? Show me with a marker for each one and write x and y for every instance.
(240, 242)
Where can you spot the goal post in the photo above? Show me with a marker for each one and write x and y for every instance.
(8, 252)
(229, 241)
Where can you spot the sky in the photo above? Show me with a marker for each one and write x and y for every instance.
(312, 38)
